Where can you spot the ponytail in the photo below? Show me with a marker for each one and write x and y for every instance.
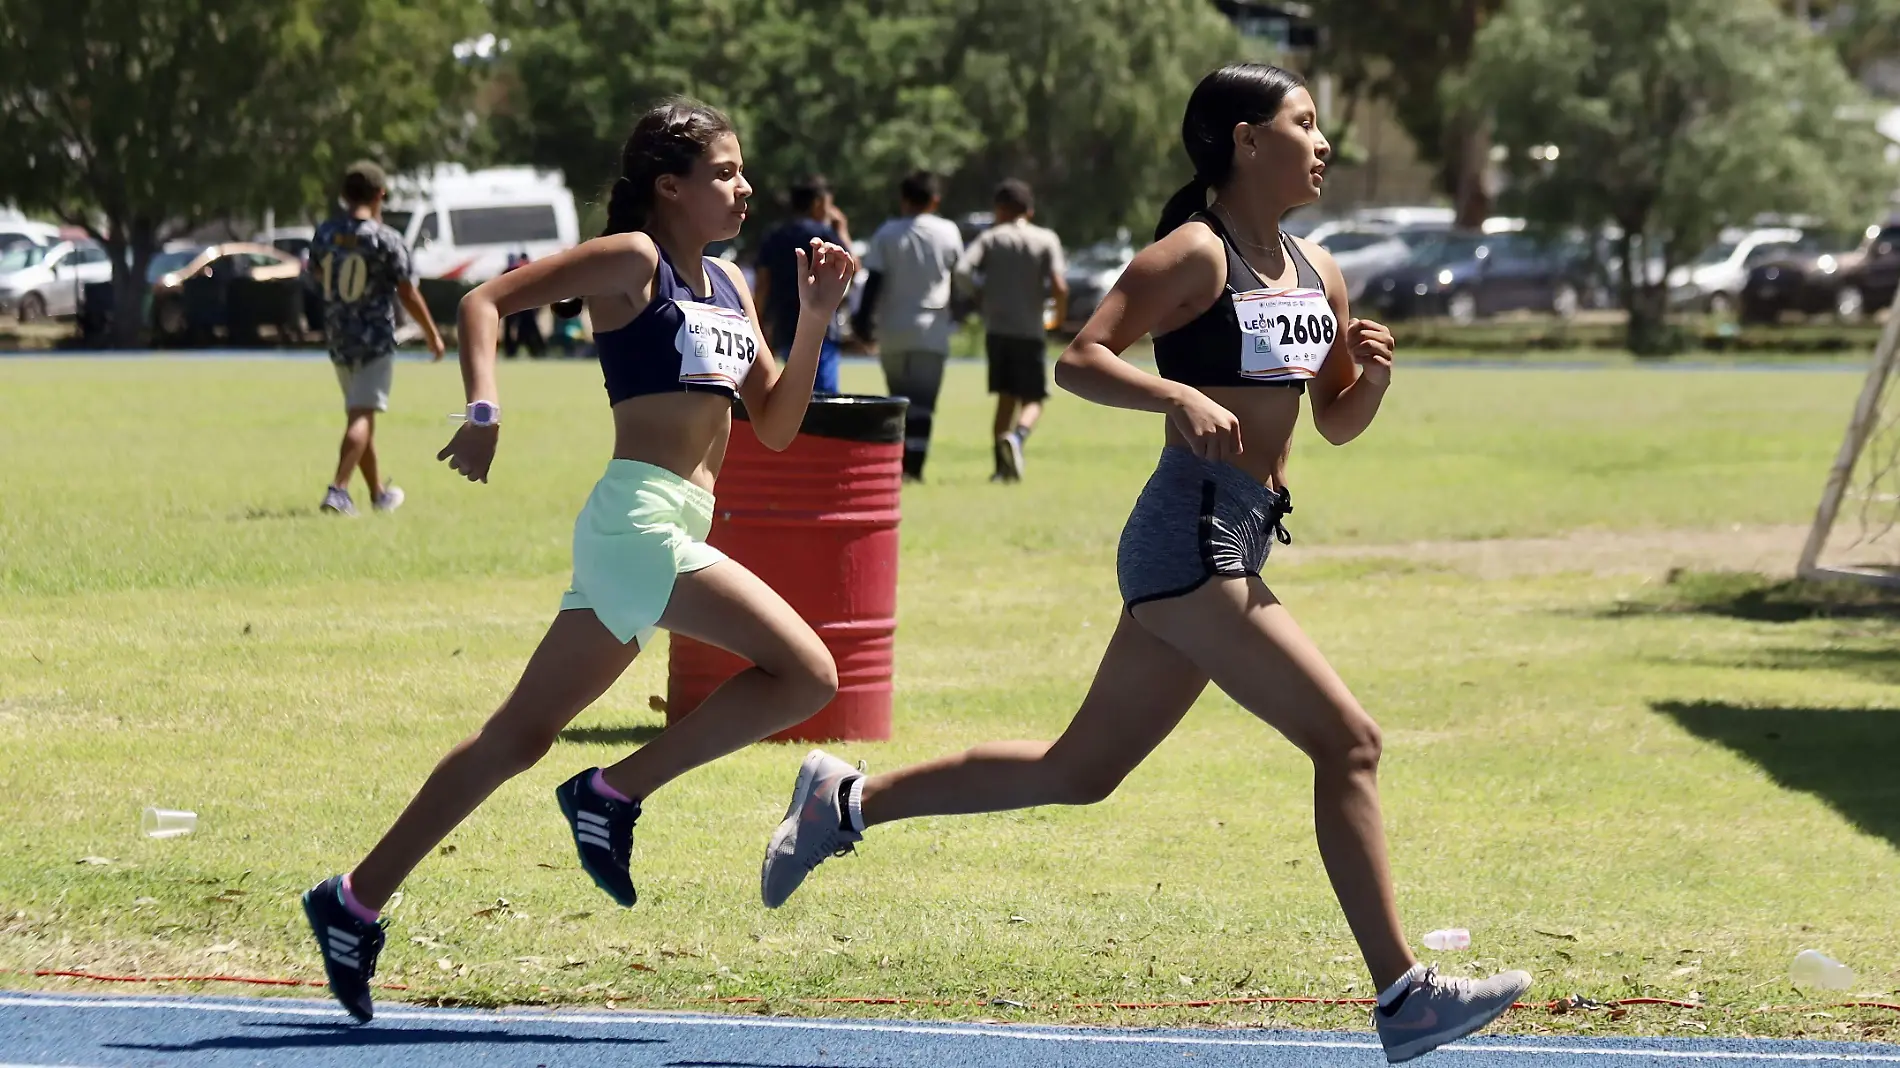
(1236, 93)
(1180, 207)
(625, 212)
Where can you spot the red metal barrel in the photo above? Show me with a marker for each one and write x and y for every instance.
(817, 522)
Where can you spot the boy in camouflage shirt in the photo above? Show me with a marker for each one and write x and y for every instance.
(363, 268)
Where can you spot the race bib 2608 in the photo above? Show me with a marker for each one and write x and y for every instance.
(1285, 334)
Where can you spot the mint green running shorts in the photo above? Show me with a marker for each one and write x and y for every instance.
(642, 527)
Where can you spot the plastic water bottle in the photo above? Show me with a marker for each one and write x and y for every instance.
(1814, 968)
(1456, 938)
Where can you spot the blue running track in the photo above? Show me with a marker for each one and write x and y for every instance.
(73, 1031)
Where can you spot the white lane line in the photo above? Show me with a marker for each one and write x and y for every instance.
(1050, 1034)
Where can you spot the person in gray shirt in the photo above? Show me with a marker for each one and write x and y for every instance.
(1016, 266)
(906, 306)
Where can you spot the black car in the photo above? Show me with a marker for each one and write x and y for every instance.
(1815, 275)
(1875, 272)
(1466, 276)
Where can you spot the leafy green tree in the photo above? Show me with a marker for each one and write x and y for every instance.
(141, 119)
(1404, 52)
(1672, 119)
(1081, 98)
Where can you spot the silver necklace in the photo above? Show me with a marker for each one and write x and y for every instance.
(1233, 233)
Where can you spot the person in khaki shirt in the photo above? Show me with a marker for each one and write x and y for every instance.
(1016, 265)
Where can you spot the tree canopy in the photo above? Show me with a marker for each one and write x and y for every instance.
(140, 119)
(1673, 119)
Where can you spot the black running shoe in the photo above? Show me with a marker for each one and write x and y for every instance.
(349, 946)
(603, 835)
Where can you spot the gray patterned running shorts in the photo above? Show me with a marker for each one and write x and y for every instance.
(1195, 520)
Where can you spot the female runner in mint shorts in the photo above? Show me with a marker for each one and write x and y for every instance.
(679, 339)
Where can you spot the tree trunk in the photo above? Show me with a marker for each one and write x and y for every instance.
(1649, 333)
(129, 287)
(1468, 163)
(1627, 267)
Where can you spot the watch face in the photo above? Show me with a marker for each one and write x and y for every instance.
(481, 412)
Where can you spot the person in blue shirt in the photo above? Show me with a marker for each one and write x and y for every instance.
(815, 215)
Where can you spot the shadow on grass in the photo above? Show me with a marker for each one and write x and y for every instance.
(1844, 756)
(1760, 599)
(335, 1035)
(638, 734)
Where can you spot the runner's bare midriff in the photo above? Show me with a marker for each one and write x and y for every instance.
(1267, 417)
(683, 432)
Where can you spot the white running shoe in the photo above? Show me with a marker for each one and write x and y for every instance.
(389, 499)
(1435, 1010)
(814, 827)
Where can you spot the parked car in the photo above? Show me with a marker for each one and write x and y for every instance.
(1875, 270)
(18, 231)
(170, 270)
(1091, 273)
(1467, 275)
(1811, 276)
(1713, 281)
(44, 281)
(1364, 253)
(1388, 219)
(292, 239)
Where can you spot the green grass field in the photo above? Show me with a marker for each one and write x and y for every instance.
(1628, 786)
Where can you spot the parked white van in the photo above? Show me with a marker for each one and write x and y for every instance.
(463, 224)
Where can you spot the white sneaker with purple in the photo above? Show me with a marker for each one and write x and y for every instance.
(816, 826)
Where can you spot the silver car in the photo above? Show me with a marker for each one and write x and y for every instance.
(45, 281)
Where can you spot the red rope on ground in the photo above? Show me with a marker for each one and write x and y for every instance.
(253, 980)
(932, 1002)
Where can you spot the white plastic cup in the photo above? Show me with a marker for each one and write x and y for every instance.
(166, 822)
(1455, 938)
(1813, 968)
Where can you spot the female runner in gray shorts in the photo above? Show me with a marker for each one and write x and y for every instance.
(1245, 319)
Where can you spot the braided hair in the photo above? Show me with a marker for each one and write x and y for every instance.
(668, 139)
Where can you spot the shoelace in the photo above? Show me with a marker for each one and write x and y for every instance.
(623, 837)
(834, 846)
(375, 948)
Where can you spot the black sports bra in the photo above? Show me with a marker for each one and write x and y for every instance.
(1252, 335)
(681, 340)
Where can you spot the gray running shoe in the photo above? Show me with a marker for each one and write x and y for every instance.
(389, 499)
(337, 502)
(1436, 1010)
(814, 827)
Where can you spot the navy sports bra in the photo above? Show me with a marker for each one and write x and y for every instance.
(1252, 335)
(680, 341)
